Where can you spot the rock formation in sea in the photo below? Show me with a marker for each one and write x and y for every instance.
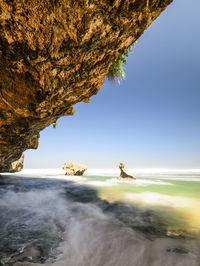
(123, 174)
(72, 168)
(56, 53)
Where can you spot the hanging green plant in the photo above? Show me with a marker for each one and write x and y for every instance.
(116, 70)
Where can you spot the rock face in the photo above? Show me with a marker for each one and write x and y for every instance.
(74, 168)
(17, 166)
(56, 53)
(123, 174)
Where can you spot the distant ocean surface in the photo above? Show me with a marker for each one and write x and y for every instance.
(98, 220)
(140, 172)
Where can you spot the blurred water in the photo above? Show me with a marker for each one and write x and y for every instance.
(48, 219)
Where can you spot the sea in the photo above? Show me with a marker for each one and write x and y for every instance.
(47, 218)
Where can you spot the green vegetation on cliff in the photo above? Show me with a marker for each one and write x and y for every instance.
(116, 70)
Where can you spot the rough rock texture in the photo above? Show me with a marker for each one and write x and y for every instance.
(55, 53)
(74, 168)
(17, 166)
(123, 174)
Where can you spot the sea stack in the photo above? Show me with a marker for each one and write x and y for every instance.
(72, 168)
(123, 174)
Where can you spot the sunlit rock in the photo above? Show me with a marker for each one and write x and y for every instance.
(72, 168)
(17, 166)
(54, 54)
(123, 174)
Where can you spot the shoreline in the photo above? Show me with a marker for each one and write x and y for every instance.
(75, 212)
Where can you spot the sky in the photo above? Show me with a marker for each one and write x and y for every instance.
(150, 120)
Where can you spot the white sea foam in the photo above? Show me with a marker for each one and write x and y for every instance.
(155, 173)
(151, 198)
(43, 172)
(89, 236)
(185, 174)
(139, 182)
(144, 176)
(143, 171)
(100, 183)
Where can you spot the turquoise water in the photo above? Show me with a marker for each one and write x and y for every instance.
(173, 200)
(188, 189)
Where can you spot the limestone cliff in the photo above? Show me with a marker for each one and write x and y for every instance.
(55, 53)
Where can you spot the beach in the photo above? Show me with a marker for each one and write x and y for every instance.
(52, 219)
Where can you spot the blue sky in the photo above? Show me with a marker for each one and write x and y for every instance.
(152, 118)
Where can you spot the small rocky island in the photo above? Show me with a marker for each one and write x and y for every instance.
(123, 174)
(74, 169)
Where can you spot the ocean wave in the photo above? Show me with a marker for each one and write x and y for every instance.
(152, 198)
(155, 173)
(140, 182)
(147, 171)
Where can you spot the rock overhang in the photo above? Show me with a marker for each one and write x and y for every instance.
(56, 53)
